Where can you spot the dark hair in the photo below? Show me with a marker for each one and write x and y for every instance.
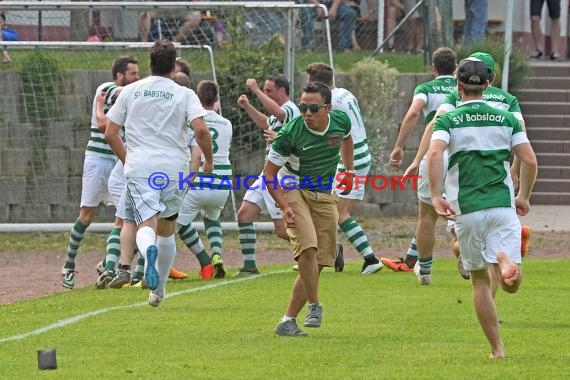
(207, 92)
(444, 61)
(121, 65)
(473, 74)
(181, 79)
(319, 88)
(280, 81)
(162, 57)
(320, 72)
(184, 66)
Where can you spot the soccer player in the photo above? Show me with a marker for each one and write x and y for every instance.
(316, 138)
(212, 190)
(156, 113)
(480, 190)
(343, 100)
(275, 99)
(97, 167)
(428, 96)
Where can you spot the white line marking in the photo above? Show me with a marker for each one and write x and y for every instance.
(80, 317)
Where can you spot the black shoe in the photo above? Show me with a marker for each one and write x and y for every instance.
(537, 54)
(554, 56)
(339, 261)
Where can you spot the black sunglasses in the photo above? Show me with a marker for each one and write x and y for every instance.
(314, 108)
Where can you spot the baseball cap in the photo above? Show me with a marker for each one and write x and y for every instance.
(472, 71)
(487, 59)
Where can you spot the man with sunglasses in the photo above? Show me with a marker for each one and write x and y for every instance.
(308, 205)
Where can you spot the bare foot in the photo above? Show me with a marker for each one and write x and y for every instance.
(509, 270)
(497, 355)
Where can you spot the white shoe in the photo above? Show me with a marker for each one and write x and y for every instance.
(424, 279)
(154, 299)
(371, 268)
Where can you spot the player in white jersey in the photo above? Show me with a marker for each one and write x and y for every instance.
(212, 189)
(97, 167)
(275, 100)
(480, 191)
(345, 101)
(156, 113)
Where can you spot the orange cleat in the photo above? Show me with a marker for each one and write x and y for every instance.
(176, 274)
(396, 265)
(206, 272)
(526, 233)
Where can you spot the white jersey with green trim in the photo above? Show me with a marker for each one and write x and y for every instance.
(221, 131)
(291, 168)
(480, 139)
(344, 100)
(433, 93)
(97, 145)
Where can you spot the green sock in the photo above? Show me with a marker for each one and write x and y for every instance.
(139, 268)
(113, 248)
(214, 234)
(247, 242)
(190, 237)
(412, 254)
(75, 237)
(425, 265)
(357, 238)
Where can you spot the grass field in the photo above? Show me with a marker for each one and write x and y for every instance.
(382, 326)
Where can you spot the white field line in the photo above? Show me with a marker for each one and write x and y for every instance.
(80, 317)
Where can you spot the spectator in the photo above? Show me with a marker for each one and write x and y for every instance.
(336, 9)
(355, 6)
(5, 56)
(414, 29)
(475, 21)
(395, 12)
(554, 14)
(195, 32)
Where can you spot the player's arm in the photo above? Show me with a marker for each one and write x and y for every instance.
(423, 148)
(99, 111)
(347, 157)
(269, 104)
(435, 173)
(270, 171)
(408, 124)
(258, 118)
(195, 160)
(528, 171)
(204, 140)
(113, 138)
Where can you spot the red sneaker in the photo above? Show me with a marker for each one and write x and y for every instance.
(206, 272)
(526, 233)
(396, 265)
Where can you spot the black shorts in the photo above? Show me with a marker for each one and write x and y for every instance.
(553, 8)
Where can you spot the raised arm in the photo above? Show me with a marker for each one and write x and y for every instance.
(269, 104)
(258, 118)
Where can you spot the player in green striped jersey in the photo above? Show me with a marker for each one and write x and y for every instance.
(99, 162)
(480, 191)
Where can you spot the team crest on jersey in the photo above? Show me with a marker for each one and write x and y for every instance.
(334, 139)
(475, 106)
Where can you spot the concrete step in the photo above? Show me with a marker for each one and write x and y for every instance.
(550, 82)
(553, 69)
(544, 133)
(553, 159)
(545, 108)
(554, 185)
(551, 146)
(553, 172)
(546, 121)
(546, 198)
(530, 95)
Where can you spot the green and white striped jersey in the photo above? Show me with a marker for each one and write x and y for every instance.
(221, 131)
(494, 96)
(97, 145)
(480, 139)
(318, 152)
(344, 100)
(433, 94)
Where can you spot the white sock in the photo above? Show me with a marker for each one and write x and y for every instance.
(145, 238)
(166, 255)
(286, 318)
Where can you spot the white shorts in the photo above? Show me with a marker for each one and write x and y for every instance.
(116, 183)
(356, 193)
(96, 173)
(259, 195)
(424, 193)
(143, 202)
(484, 234)
(120, 211)
(209, 203)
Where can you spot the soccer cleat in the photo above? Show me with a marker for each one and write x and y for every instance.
(243, 272)
(218, 264)
(154, 299)
(296, 267)
(206, 272)
(68, 278)
(425, 279)
(175, 274)
(121, 279)
(138, 283)
(314, 316)
(371, 266)
(526, 233)
(462, 271)
(100, 268)
(289, 328)
(105, 279)
(339, 260)
(396, 265)
(150, 271)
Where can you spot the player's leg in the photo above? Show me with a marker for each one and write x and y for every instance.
(248, 212)
(211, 211)
(425, 234)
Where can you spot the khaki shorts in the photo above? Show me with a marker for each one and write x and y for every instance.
(316, 218)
